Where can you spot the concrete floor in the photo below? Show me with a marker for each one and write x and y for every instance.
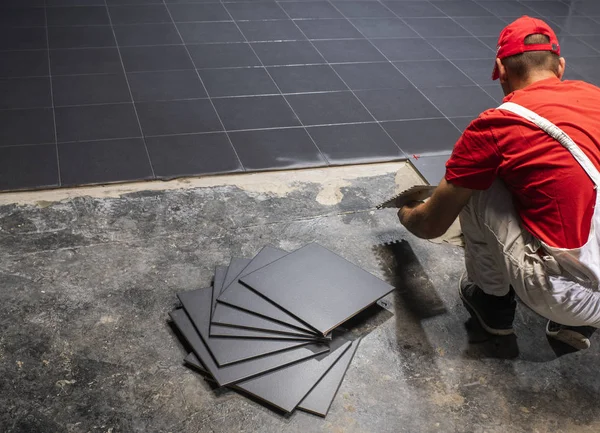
(86, 284)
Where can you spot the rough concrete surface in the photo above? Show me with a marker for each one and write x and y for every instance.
(86, 285)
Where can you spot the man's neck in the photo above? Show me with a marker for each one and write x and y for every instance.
(532, 79)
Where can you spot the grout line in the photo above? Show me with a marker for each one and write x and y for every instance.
(129, 89)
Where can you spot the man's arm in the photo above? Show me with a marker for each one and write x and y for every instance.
(432, 219)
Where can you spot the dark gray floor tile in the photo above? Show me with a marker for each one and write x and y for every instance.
(383, 28)
(572, 46)
(506, 8)
(462, 48)
(461, 122)
(23, 38)
(32, 126)
(489, 41)
(431, 167)
(328, 29)
(50, 3)
(361, 76)
(165, 85)
(81, 37)
(223, 55)
(145, 14)
(580, 26)
(255, 112)
(25, 93)
(192, 155)
(588, 8)
(23, 63)
(592, 40)
(77, 16)
(198, 12)
(96, 122)
(549, 8)
(238, 82)
(276, 30)
(276, 149)
(268, 10)
(461, 8)
(422, 136)
(473, 100)
(587, 68)
(397, 104)
(429, 27)
(349, 50)
(310, 9)
(90, 89)
(433, 73)
(287, 53)
(159, 58)
(347, 144)
(329, 108)
(495, 91)
(177, 117)
(413, 9)
(193, 33)
(22, 17)
(85, 61)
(407, 49)
(298, 79)
(482, 26)
(132, 2)
(103, 162)
(24, 167)
(363, 9)
(147, 34)
(479, 71)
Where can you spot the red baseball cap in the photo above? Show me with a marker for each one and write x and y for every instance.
(512, 39)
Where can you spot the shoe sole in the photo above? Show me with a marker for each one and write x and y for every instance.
(572, 338)
(473, 312)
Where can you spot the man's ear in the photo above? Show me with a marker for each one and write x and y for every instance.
(501, 71)
(561, 67)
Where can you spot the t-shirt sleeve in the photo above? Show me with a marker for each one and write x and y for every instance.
(475, 159)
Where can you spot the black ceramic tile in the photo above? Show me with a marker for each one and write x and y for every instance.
(461, 122)
(223, 55)
(310, 9)
(24, 167)
(548, 8)
(287, 53)
(328, 29)
(473, 100)
(407, 49)
(81, 37)
(85, 61)
(383, 28)
(146, 14)
(299, 79)
(192, 155)
(23, 63)
(226, 351)
(96, 122)
(480, 71)
(51, 3)
(235, 268)
(90, 89)
(338, 288)
(328, 108)
(482, 26)
(235, 372)
(588, 8)
(22, 17)
(276, 149)
(25, 93)
(23, 38)
(255, 112)
(319, 399)
(461, 8)
(349, 50)
(217, 285)
(361, 76)
(210, 32)
(423, 136)
(347, 144)
(430, 27)
(432, 168)
(397, 104)
(506, 8)
(77, 16)
(238, 82)
(103, 162)
(32, 126)
(413, 9)
(147, 34)
(592, 41)
(434, 73)
(177, 117)
(165, 85)
(230, 331)
(276, 30)
(462, 48)
(587, 68)
(580, 26)
(496, 92)
(256, 11)
(159, 58)
(363, 9)
(198, 12)
(571, 46)
(489, 41)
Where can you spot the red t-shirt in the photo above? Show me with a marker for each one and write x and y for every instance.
(553, 195)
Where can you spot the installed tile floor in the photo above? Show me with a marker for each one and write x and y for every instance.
(98, 91)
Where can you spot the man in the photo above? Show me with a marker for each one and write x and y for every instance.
(523, 179)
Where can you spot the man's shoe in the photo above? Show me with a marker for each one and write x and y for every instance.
(494, 313)
(577, 337)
